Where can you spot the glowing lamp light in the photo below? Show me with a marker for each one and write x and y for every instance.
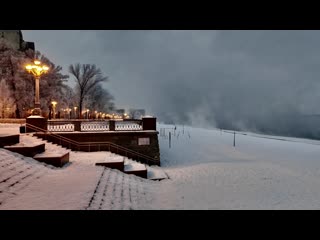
(37, 70)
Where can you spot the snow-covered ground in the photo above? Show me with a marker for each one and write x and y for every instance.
(205, 172)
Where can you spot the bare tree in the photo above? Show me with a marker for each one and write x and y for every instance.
(100, 99)
(87, 76)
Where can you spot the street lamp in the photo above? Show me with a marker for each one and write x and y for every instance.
(37, 70)
(87, 113)
(75, 111)
(54, 103)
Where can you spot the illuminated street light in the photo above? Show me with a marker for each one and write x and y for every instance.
(37, 70)
(54, 103)
(75, 112)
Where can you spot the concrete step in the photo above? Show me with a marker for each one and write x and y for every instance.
(156, 173)
(57, 159)
(114, 162)
(136, 169)
(28, 150)
(9, 139)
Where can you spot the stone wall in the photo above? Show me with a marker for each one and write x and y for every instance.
(128, 139)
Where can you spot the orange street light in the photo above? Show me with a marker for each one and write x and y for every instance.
(54, 103)
(37, 70)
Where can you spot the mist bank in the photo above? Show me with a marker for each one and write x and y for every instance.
(257, 80)
(291, 125)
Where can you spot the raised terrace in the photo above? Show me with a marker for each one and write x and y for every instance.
(136, 139)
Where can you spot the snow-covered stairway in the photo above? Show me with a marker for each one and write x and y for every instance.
(123, 164)
(116, 191)
(130, 166)
(17, 172)
(40, 150)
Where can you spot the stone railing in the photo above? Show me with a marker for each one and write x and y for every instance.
(96, 125)
(60, 126)
(128, 125)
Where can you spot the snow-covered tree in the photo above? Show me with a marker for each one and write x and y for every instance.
(12, 72)
(7, 103)
(21, 83)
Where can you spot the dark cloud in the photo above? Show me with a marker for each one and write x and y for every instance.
(254, 80)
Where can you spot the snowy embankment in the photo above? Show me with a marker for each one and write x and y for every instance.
(205, 171)
(28, 184)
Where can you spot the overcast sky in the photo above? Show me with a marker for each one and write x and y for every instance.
(242, 78)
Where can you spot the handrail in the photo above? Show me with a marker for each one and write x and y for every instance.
(81, 144)
(118, 146)
(51, 133)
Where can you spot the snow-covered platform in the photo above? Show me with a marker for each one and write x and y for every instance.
(116, 162)
(56, 159)
(156, 173)
(8, 139)
(124, 164)
(29, 150)
(137, 169)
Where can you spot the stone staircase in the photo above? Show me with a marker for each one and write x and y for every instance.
(15, 175)
(40, 150)
(127, 165)
(124, 164)
(56, 155)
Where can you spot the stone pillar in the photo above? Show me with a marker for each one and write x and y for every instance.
(149, 123)
(112, 125)
(77, 126)
(37, 121)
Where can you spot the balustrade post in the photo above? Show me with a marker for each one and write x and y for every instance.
(149, 123)
(77, 126)
(112, 125)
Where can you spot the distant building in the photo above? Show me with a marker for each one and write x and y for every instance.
(15, 39)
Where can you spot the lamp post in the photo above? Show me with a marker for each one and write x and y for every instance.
(37, 70)
(69, 113)
(75, 112)
(87, 113)
(54, 103)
